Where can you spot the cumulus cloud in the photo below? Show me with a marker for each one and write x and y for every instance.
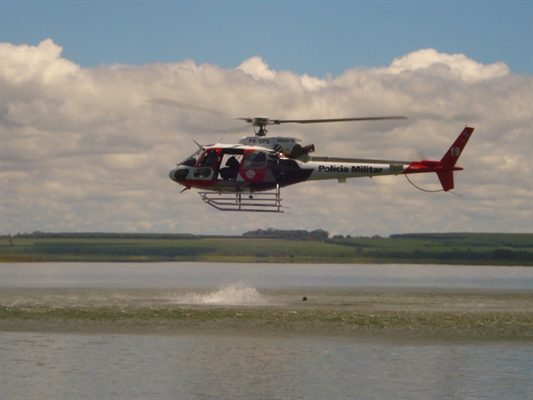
(455, 66)
(82, 150)
(256, 67)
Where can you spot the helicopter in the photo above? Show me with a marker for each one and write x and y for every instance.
(249, 175)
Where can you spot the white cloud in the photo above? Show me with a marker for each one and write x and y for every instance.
(256, 67)
(42, 63)
(81, 149)
(455, 66)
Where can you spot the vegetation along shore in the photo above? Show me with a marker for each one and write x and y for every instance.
(273, 246)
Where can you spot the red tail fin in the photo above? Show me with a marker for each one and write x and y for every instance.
(446, 180)
(452, 155)
(449, 159)
(445, 167)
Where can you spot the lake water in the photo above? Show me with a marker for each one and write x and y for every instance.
(40, 365)
(212, 275)
(59, 366)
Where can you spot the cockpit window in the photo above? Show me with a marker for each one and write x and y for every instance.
(209, 158)
(191, 160)
(255, 160)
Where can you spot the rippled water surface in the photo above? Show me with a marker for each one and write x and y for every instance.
(58, 366)
(210, 365)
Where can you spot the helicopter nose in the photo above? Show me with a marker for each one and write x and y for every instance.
(178, 174)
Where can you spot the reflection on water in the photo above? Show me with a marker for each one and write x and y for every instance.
(39, 365)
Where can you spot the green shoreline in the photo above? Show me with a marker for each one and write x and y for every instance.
(449, 248)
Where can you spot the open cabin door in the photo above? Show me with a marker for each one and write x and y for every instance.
(230, 164)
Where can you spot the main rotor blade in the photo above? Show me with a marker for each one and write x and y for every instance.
(317, 121)
(186, 106)
(236, 129)
(264, 121)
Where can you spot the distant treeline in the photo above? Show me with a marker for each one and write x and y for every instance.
(300, 234)
(272, 245)
(498, 254)
(120, 250)
(515, 240)
(101, 235)
(474, 247)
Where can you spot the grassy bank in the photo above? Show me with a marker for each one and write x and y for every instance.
(458, 248)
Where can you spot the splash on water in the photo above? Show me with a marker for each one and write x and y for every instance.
(230, 295)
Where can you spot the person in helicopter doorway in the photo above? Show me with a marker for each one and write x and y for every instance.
(231, 170)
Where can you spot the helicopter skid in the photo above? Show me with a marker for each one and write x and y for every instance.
(252, 202)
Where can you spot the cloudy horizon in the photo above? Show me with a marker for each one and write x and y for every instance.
(83, 151)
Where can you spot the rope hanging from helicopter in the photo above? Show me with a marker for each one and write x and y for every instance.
(429, 191)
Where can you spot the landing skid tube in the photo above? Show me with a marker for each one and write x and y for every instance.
(255, 202)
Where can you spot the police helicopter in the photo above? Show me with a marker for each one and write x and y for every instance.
(249, 175)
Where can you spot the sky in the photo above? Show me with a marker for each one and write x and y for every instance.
(82, 150)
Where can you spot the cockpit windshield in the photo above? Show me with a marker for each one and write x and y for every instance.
(191, 160)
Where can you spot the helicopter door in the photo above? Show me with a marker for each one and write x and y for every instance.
(254, 166)
(230, 164)
(204, 169)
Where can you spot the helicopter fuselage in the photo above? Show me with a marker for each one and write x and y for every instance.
(238, 168)
(241, 168)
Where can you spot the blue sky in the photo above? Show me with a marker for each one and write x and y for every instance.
(311, 37)
(82, 150)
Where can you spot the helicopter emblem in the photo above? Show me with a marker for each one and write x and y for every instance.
(249, 175)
